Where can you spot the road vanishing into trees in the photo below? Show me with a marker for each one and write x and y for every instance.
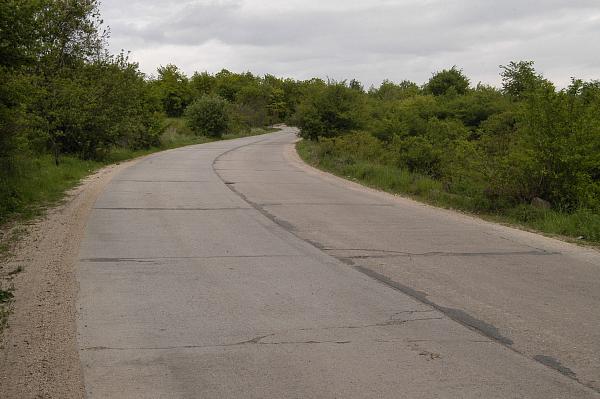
(233, 270)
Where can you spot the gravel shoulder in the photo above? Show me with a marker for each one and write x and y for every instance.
(38, 351)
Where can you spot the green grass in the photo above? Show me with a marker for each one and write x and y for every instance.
(582, 226)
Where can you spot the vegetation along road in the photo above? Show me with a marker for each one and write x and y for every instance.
(232, 269)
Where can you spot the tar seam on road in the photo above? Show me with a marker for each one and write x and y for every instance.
(235, 208)
(320, 204)
(457, 315)
(163, 181)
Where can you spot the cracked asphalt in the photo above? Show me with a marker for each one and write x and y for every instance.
(231, 269)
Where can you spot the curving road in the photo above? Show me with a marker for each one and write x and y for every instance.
(231, 269)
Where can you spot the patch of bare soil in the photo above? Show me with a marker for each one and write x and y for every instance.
(38, 351)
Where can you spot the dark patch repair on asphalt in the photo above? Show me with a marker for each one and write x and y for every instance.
(458, 315)
(556, 365)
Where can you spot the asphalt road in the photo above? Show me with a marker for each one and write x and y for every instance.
(231, 269)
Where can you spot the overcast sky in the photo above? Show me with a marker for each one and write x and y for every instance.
(369, 40)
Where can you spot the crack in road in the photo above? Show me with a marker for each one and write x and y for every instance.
(393, 322)
(258, 340)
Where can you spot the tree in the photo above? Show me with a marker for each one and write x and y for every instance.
(448, 81)
(389, 91)
(356, 85)
(520, 78)
(201, 83)
(330, 110)
(173, 89)
(208, 115)
(43, 44)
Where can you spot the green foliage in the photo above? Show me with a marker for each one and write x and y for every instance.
(173, 90)
(447, 82)
(418, 155)
(330, 110)
(208, 116)
(201, 83)
(520, 78)
(475, 106)
(254, 101)
(389, 91)
(480, 149)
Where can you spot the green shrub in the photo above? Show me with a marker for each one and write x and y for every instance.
(330, 110)
(208, 116)
(418, 155)
(448, 82)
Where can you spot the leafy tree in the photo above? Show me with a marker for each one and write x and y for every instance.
(277, 106)
(208, 115)
(448, 81)
(202, 83)
(173, 90)
(329, 110)
(389, 91)
(519, 78)
(356, 85)
(253, 104)
(475, 106)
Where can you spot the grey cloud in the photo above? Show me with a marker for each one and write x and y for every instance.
(368, 37)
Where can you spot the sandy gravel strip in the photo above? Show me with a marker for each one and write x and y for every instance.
(38, 352)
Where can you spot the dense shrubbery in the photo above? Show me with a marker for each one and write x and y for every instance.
(490, 150)
(328, 110)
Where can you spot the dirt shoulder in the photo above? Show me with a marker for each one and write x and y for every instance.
(38, 351)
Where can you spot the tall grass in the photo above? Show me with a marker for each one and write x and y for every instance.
(38, 181)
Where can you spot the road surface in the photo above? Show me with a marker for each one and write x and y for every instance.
(232, 270)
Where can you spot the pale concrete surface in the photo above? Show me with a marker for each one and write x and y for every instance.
(229, 270)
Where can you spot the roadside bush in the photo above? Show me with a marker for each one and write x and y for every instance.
(208, 116)
(418, 155)
(330, 110)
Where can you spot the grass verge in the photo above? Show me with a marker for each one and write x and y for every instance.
(580, 226)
